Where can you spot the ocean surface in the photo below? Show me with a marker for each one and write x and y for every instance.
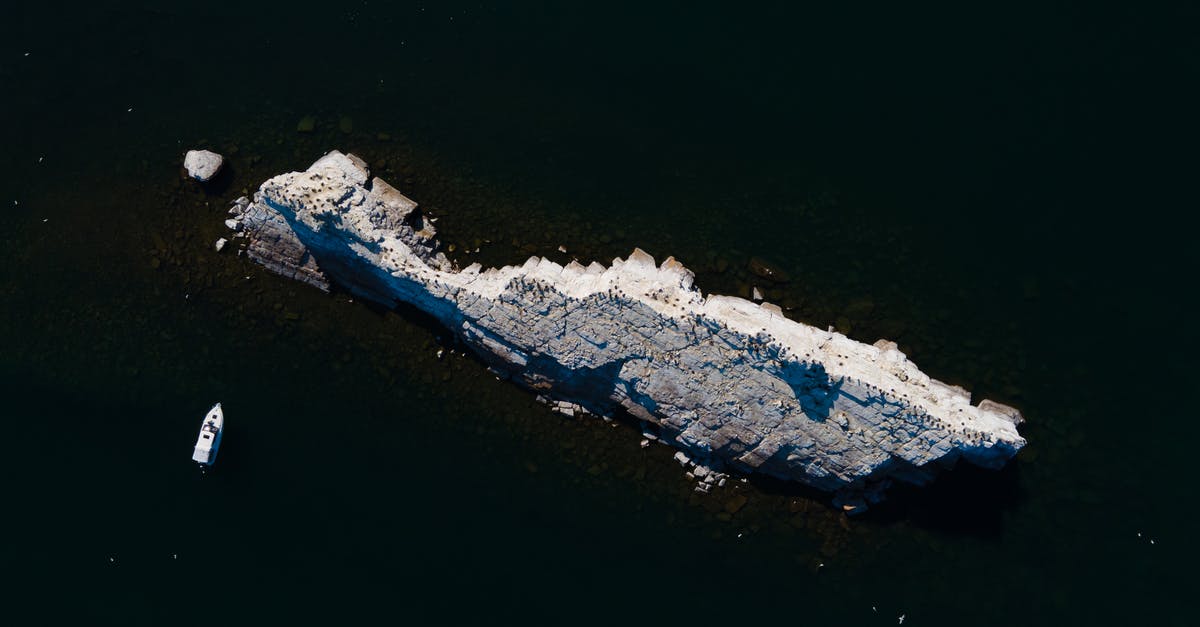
(1000, 189)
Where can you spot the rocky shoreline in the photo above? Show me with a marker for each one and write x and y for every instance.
(733, 384)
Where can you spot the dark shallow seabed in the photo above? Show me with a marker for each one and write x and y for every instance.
(996, 189)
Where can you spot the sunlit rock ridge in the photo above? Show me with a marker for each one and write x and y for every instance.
(721, 378)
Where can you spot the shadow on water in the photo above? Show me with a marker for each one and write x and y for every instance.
(964, 501)
(411, 314)
(219, 185)
(781, 487)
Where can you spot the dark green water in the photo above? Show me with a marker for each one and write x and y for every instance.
(997, 189)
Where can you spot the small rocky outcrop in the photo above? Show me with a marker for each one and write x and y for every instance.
(733, 383)
(202, 165)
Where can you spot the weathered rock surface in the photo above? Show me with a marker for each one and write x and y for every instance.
(724, 379)
(202, 165)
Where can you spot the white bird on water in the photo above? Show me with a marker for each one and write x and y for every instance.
(902, 619)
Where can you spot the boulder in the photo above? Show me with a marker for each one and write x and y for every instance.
(202, 165)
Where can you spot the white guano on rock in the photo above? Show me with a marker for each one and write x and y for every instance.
(721, 378)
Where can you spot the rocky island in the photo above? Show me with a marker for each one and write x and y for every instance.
(727, 381)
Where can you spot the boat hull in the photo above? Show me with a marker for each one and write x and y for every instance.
(209, 440)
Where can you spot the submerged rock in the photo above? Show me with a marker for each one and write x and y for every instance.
(721, 378)
(767, 270)
(202, 165)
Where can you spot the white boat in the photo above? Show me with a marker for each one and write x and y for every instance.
(210, 436)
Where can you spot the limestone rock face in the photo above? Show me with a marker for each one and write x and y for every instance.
(722, 378)
(202, 165)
